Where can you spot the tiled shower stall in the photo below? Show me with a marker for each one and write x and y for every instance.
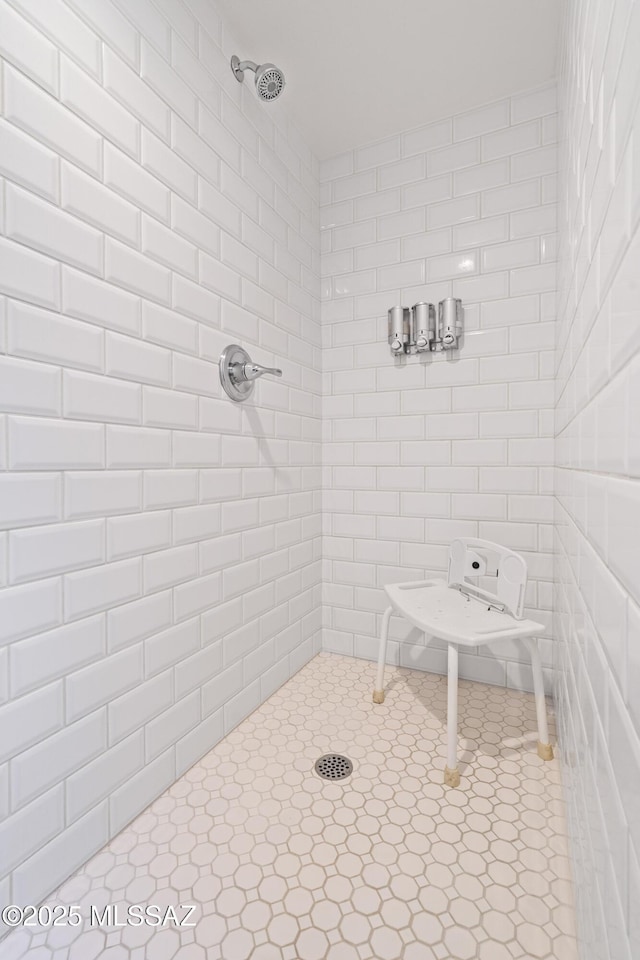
(168, 560)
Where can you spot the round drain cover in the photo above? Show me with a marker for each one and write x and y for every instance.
(333, 766)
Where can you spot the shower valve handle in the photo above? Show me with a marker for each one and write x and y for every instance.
(238, 372)
(251, 371)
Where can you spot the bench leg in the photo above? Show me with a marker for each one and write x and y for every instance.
(451, 772)
(545, 750)
(378, 693)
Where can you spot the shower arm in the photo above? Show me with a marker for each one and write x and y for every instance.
(239, 67)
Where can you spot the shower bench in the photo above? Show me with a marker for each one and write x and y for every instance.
(464, 614)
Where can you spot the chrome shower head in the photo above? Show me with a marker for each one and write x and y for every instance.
(269, 78)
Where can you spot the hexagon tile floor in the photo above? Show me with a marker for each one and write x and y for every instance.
(387, 865)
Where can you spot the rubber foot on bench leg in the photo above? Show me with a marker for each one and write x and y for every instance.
(545, 751)
(378, 696)
(451, 777)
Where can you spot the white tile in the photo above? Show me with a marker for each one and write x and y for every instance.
(169, 408)
(176, 722)
(89, 397)
(534, 163)
(102, 776)
(452, 212)
(27, 387)
(170, 646)
(42, 226)
(339, 166)
(401, 172)
(90, 591)
(354, 186)
(623, 505)
(187, 65)
(135, 95)
(163, 245)
(535, 104)
(473, 289)
(509, 423)
(66, 30)
(29, 275)
(129, 447)
(139, 791)
(453, 266)
(129, 269)
(40, 444)
(482, 120)
(39, 660)
(128, 358)
(524, 136)
(218, 137)
(447, 159)
(503, 256)
(427, 138)
(426, 191)
(478, 233)
(86, 198)
(197, 596)
(530, 223)
(507, 199)
(400, 275)
(30, 609)
(87, 98)
(38, 822)
(401, 224)
(533, 279)
(136, 535)
(138, 620)
(429, 244)
(192, 225)
(32, 719)
(25, 161)
(29, 499)
(134, 183)
(385, 151)
(353, 236)
(45, 551)
(111, 25)
(101, 303)
(168, 567)
(91, 687)
(167, 165)
(481, 177)
(191, 299)
(49, 122)
(372, 205)
(28, 49)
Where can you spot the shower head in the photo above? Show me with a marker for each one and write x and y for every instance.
(269, 78)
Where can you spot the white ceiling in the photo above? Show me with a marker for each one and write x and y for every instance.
(362, 70)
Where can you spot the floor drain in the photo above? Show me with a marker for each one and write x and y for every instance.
(333, 766)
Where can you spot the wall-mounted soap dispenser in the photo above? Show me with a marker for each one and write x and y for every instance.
(423, 326)
(399, 333)
(416, 330)
(449, 322)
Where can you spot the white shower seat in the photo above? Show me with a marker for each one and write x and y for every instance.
(462, 613)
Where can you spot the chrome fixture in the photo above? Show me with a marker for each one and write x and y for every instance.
(399, 330)
(333, 766)
(238, 372)
(416, 330)
(269, 78)
(449, 322)
(423, 326)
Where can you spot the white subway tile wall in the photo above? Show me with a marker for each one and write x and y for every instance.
(426, 448)
(160, 568)
(598, 469)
